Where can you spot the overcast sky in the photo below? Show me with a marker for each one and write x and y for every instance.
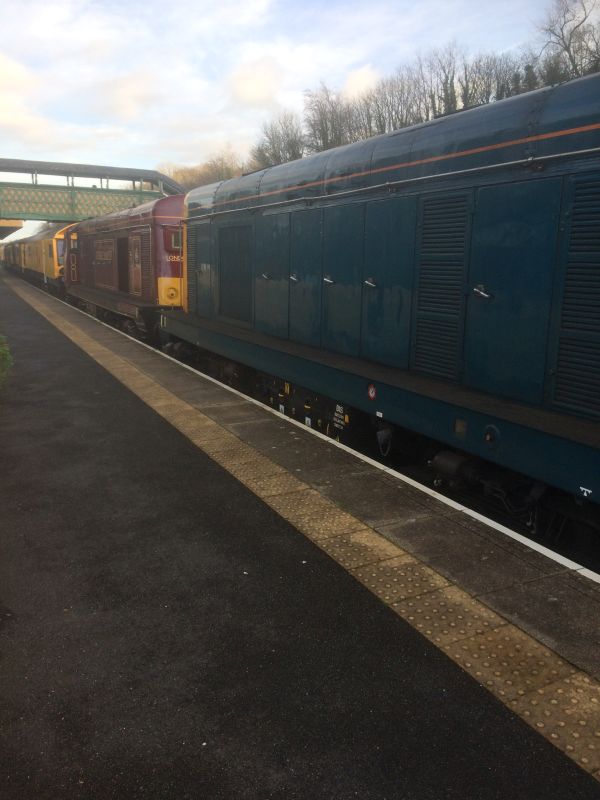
(142, 82)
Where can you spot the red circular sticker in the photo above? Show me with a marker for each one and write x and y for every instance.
(372, 392)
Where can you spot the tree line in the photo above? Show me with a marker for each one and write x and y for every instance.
(443, 81)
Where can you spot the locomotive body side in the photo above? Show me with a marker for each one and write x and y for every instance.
(445, 279)
(40, 257)
(168, 251)
(128, 264)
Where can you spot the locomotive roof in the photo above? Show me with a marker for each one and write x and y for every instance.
(47, 232)
(166, 210)
(545, 122)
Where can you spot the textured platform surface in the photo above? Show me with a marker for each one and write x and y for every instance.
(174, 624)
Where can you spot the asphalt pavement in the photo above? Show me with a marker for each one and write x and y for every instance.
(164, 634)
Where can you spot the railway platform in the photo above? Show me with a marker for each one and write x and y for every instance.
(199, 599)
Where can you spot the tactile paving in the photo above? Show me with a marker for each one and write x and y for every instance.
(399, 578)
(331, 523)
(210, 436)
(160, 399)
(218, 439)
(281, 483)
(297, 505)
(360, 547)
(508, 662)
(138, 383)
(194, 424)
(176, 413)
(226, 452)
(255, 468)
(447, 615)
(568, 714)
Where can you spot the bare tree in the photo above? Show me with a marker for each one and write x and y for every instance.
(478, 79)
(327, 119)
(445, 63)
(224, 164)
(426, 89)
(400, 100)
(468, 80)
(571, 31)
(435, 79)
(282, 140)
(362, 116)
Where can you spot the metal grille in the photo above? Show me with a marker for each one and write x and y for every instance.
(436, 347)
(577, 385)
(149, 284)
(21, 201)
(192, 238)
(442, 256)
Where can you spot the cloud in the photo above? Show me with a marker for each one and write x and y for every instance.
(15, 77)
(130, 96)
(256, 84)
(360, 81)
(139, 82)
(18, 85)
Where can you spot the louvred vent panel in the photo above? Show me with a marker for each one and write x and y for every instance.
(577, 384)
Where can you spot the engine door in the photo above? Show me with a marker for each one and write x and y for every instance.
(509, 291)
(388, 280)
(305, 277)
(343, 254)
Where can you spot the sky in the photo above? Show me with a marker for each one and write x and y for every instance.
(140, 83)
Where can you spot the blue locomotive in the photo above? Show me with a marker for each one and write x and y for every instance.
(443, 279)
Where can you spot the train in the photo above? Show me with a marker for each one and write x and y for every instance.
(124, 267)
(39, 257)
(438, 286)
(441, 281)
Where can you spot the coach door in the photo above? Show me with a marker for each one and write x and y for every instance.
(123, 264)
(72, 266)
(509, 290)
(135, 264)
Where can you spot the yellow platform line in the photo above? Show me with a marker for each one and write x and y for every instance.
(559, 701)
